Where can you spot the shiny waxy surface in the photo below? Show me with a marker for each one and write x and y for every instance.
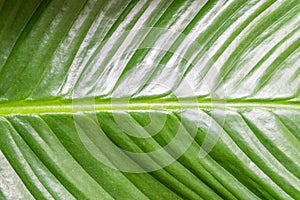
(216, 84)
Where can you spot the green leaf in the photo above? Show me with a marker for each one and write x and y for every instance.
(150, 99)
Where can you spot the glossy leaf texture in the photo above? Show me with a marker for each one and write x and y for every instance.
(226, 74)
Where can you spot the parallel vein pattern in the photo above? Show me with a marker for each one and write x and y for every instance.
(65, 50)
(245, 52)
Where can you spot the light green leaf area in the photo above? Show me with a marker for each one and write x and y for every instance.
(150, 99)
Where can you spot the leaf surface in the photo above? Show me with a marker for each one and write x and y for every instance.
(150, 99)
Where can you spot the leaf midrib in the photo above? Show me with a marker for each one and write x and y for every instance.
(55, 106)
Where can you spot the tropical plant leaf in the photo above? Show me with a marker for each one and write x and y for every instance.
(150, 99)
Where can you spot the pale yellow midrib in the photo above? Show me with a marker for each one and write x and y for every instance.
(87, 107)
